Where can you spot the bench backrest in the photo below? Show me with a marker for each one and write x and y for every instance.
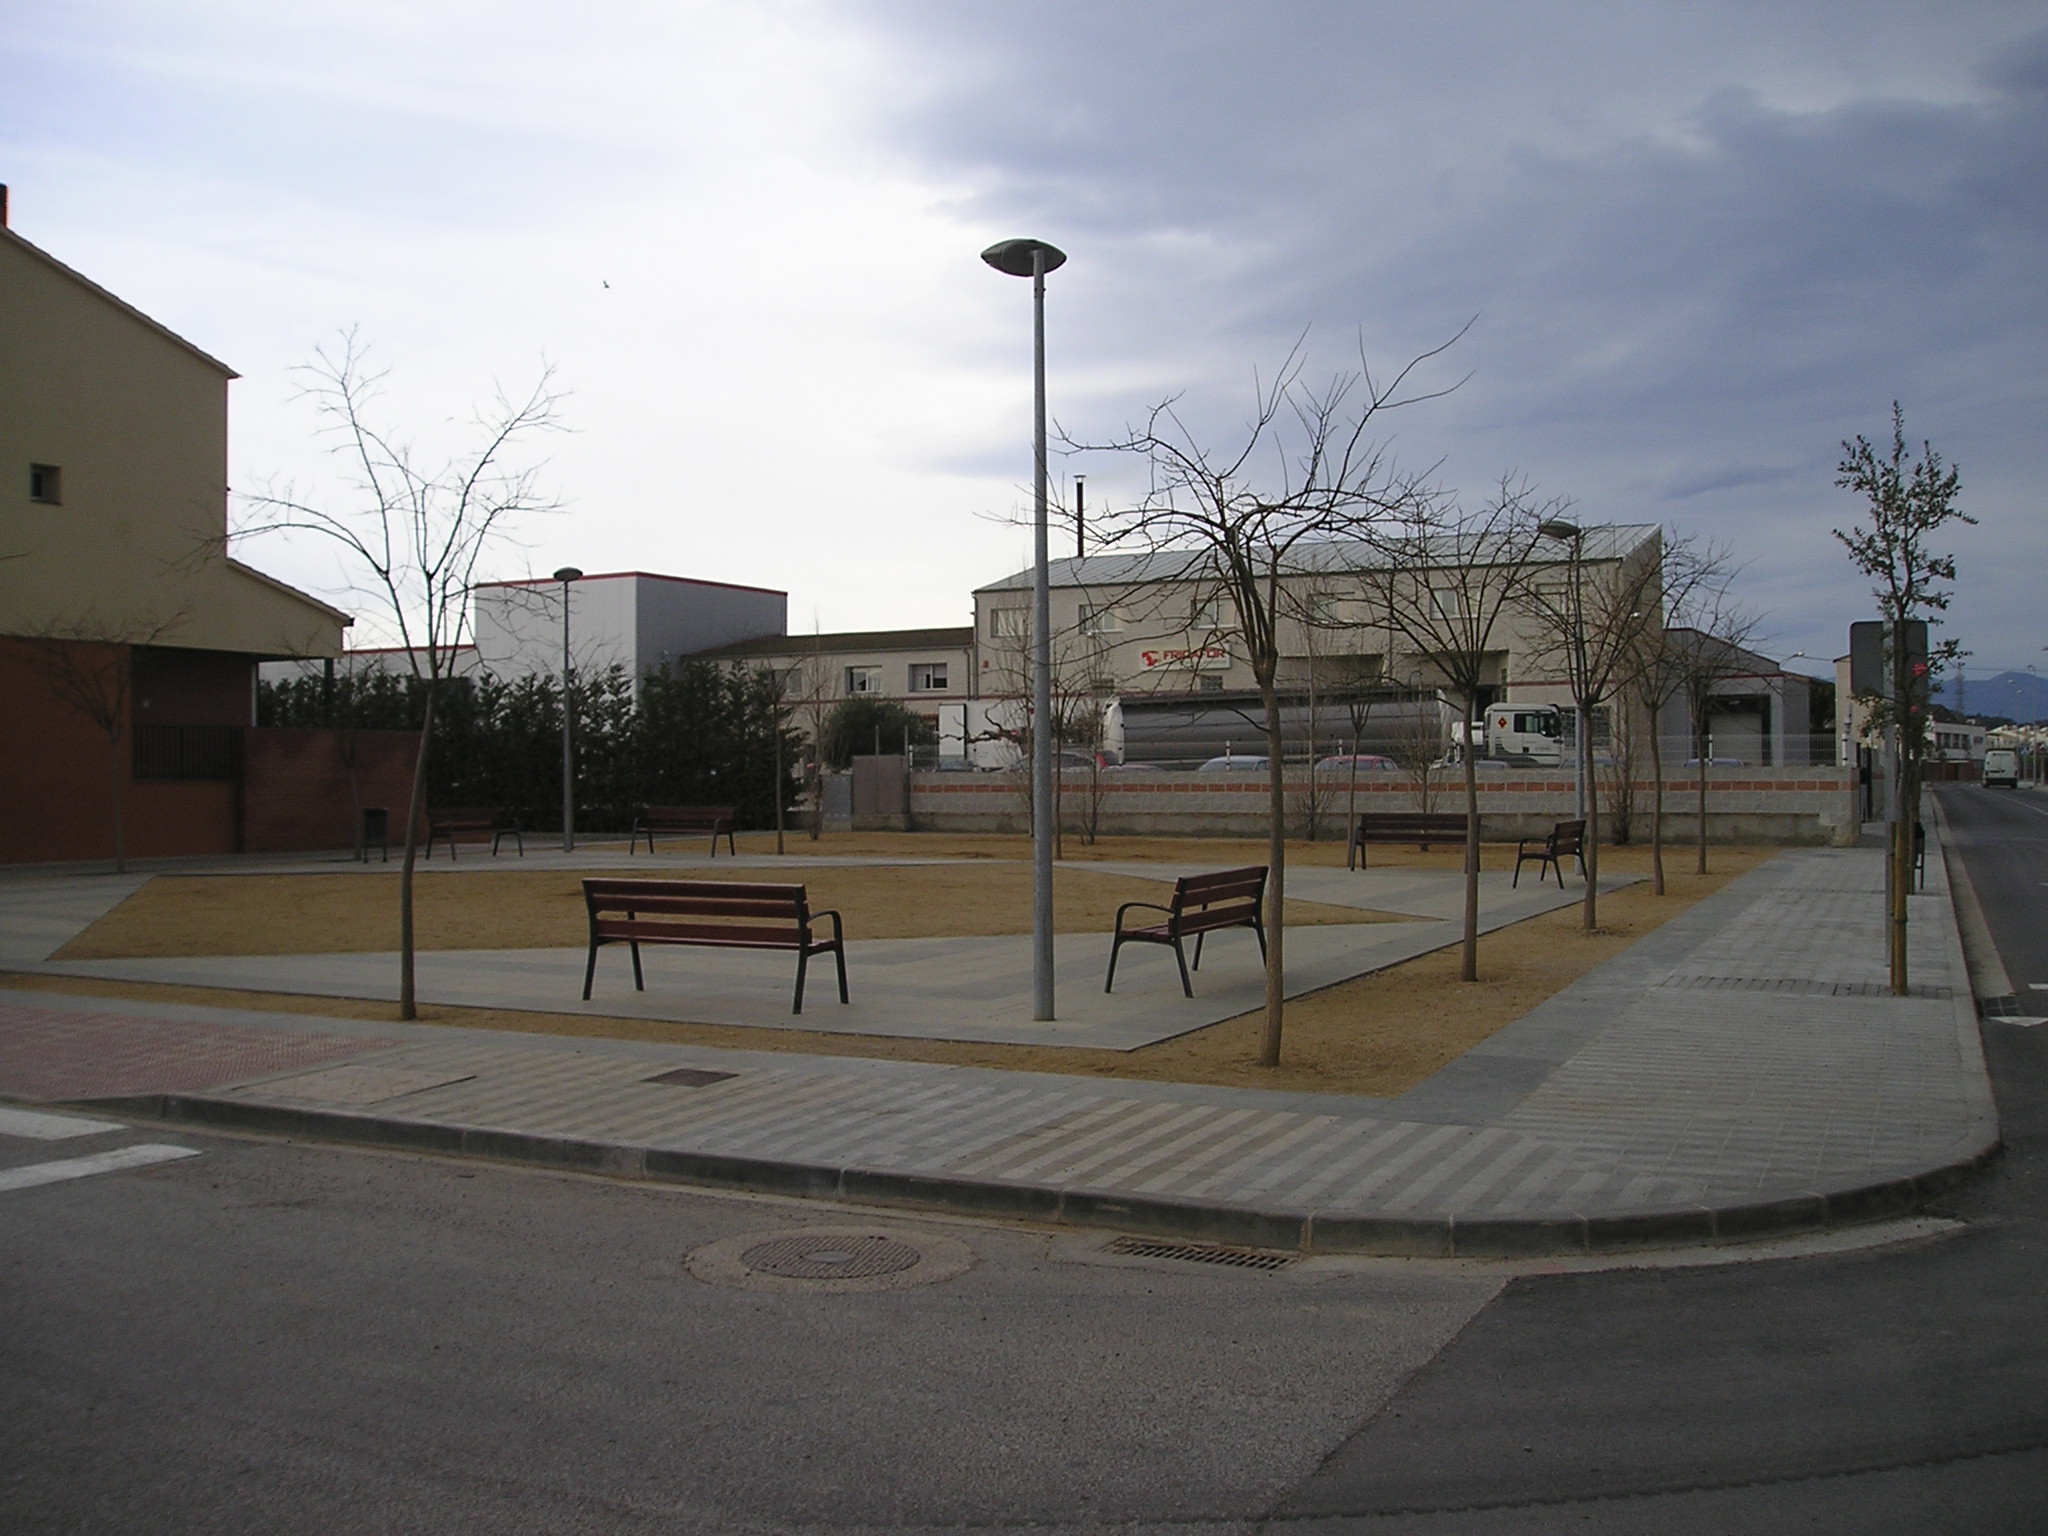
(1227, 896)
(1397, 820)
(1567, 839)
(466, 813)
(722, 812)
(741, 911)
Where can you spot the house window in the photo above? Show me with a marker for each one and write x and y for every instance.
(928, 677)
(1208, 682)
(1008, 623)
(863, 680)
(1206, 616)
(46, 484)
(1449, 602)
(1099, 621)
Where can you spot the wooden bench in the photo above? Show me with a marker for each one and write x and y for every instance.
(711, 914)
(1566, 840)
(684, 818)
(1419, 827)
(455, 821)
(1230, 898)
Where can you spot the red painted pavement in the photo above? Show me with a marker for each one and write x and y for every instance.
(50, 1053)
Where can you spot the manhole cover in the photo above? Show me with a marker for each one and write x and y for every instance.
(830, 1258)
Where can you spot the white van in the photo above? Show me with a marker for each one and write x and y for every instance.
(2001, 769)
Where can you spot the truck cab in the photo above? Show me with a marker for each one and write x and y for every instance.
(1531, 734)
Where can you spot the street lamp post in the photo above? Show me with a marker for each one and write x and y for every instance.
(1033, 259)
(1573, 534)
(565, 575)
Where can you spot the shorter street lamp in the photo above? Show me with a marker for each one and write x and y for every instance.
(565, 575)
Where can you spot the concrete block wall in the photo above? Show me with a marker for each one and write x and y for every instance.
(1769, 805)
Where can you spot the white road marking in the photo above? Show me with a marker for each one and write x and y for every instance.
(26, 1122)
(2035, 986)
(85, 1167)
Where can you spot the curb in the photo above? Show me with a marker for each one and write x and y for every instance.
(1308, 1232)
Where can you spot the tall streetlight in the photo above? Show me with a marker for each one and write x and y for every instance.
(1033, 259)
(1574, 535)
(565, 575)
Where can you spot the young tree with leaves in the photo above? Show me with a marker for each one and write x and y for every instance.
(414, 531)
(1908, 502)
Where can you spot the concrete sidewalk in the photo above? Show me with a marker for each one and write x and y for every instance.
(1740, 1072)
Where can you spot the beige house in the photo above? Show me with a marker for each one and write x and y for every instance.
(128, 639)
(1155, 629)
(917, 668)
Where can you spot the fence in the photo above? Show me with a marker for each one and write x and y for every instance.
(1776, 805)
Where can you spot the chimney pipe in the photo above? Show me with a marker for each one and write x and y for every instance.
(3, 205)
(1080, 516)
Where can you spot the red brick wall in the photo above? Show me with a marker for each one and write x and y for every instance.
(295, 794)
(54, 781)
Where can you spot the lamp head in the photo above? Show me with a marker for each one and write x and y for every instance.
(568, 573)
(1556, 528)
(1014, 256)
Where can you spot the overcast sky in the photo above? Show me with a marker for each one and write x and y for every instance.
(1702, 244)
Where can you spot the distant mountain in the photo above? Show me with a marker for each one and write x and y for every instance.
(2020, 696)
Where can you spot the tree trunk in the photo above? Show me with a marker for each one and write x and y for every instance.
(114, 795)
(408, 995)
(1657, 808)
(1699, 753)
(1592, 842)
(1276, 878)
(1469, 971)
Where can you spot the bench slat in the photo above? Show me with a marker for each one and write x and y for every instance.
(718, 935)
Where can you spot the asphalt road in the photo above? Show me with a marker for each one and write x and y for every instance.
(2003, 837)
(273, 1338)
(269, 1337)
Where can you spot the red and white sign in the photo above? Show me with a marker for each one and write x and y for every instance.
(1199, 658)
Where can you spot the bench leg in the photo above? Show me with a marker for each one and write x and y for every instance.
(1115, 945)
(1186, 985)
(1260, 930)
(803, 956)
(590, 971)
(838, 954)
(639, 984)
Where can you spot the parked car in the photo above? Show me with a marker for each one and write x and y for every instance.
(1133, 768)
(1715, 762)
(1363, 762)
(1229, 764)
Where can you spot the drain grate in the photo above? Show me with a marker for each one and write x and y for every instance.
(831, 1256)
(690, 1077)
(1201, 1253)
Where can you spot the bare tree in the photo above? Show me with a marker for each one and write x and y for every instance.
(1591, 626)
(415, 532)
(1446, 589)
(1695, 598)
(1707, 654)
(1909, 501)
(1236, 523)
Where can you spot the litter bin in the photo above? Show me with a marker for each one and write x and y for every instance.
(376, 829)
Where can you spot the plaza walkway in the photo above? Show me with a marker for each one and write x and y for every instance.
(1742, 1071)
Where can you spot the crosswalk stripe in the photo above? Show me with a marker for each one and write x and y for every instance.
(38, 1127)
(84, 1167)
